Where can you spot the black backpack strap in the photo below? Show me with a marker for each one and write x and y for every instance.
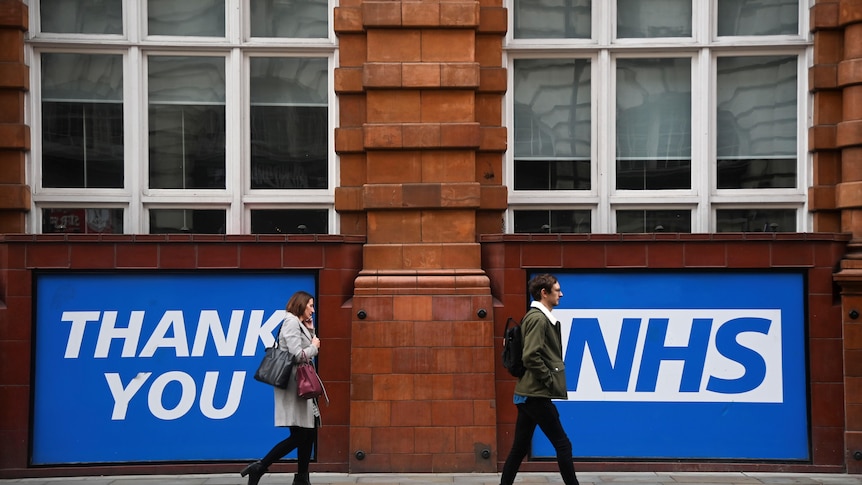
(510, 322)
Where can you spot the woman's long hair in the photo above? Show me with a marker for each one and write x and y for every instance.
(298, 302)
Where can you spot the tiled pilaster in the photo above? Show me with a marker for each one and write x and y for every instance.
(421, 143)
(14, 133)
(836, 140)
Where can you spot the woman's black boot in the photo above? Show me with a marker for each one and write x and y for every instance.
(254, 472)
(301, 479)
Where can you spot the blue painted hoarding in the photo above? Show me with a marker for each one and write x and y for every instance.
(155, 367)
(683, 366)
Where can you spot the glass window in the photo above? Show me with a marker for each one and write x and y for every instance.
(82, 221)
(653, 18)
(756, 122)
(553, 221)
(647, 221)
(82, 120)
(187, 122)
(552, 124)
(201, 18)
(289, 123)
(653, 124)
(81, 16)
(758, 17)
(198, 221)
(280, 18)
(755, 220)
(552, 19)
(290, 221)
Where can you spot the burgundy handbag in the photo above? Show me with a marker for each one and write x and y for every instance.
(308, 383)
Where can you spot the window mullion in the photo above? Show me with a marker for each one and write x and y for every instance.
(136, 132)
(235, 155)
(604, 133)
(702, 127)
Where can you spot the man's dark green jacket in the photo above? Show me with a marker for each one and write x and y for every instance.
(543, 358)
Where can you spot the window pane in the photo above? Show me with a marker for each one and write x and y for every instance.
(757, 122)
(653, 18)
(198, 221)
(653, 124)
(280, 18)
(552, 19)
(755, 220)
(550, 175)
(553, 221)
(653, 175)
(646, 221)
(552, 124)
(756, 174)
(296, 221)
(82, 120)
(201, 18)
(82, 16)
(82, 221)
(187, 123)
(758, 17)
(289, 123)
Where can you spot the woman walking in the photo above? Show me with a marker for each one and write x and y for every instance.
(301, 416)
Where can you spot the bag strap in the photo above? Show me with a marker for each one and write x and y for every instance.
(322, 386)
(278, 334)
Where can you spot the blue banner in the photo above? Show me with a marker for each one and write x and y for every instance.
(155, 367)
(683, 366)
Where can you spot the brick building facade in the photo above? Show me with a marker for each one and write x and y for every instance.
(417, 285)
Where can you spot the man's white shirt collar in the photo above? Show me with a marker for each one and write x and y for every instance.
(540, 306)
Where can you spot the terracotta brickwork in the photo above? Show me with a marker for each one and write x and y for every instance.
(836, 197)
(14, 133)
(420, 86)
(417, 288)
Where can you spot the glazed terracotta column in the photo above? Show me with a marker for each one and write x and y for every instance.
(14, 133)
(836, 141)
(420, 88)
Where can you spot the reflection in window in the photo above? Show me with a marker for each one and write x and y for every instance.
(648, 221)
(552, 19)
(198, 221)
(278, 18)
(290, 221)
(755, 220)
(653, 124)
(758, 17)
(187, 122)
(552, 124)
(653, 18)
(200, 18)
(81, 16)
(756, 122)
(82, 120)
(564, 221)
(82, 221)
(289, 123)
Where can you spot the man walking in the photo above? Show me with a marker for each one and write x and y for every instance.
(544, 380)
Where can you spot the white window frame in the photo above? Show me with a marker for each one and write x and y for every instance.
(704, 47)
(136, 198)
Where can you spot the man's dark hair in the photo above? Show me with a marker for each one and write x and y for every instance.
(541, 282)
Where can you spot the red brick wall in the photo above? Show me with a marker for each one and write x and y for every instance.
(836, 194)
(14, 134)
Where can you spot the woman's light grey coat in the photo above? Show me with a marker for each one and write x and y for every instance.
(290, 410)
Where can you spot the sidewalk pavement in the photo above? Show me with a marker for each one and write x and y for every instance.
(524, 478)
